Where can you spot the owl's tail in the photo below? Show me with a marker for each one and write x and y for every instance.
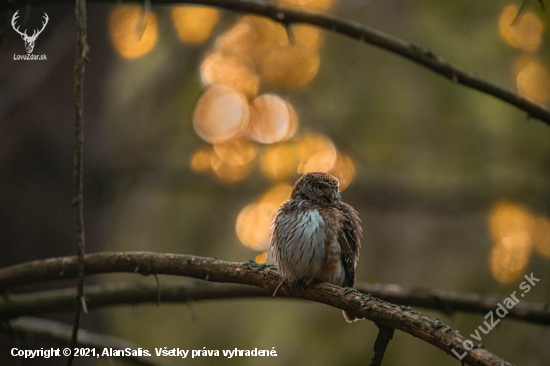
(350, 318)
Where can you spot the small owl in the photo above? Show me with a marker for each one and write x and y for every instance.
(315, 236)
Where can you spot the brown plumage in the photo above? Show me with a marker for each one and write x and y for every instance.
(315, 236)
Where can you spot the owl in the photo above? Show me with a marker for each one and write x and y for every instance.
(315, 236)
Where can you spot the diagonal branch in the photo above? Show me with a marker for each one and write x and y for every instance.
(56, 331)
(360, 32)
(129, 293)
(384, 337)
(249, 273)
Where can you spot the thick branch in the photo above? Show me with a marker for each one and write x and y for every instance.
(57, 331)
(378, 311)
(361, 32)
(14, 305)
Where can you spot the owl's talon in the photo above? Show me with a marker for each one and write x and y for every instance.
(277, 289)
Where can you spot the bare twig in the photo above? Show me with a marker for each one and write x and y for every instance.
(80, 59)
(56, 331)
(249, 273)
(158, 290)
(385, 335)
(14, 305)
(360, 32)
(521, 10)
(449, 302)
(129, 293)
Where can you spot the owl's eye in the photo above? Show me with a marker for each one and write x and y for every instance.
(319, 187)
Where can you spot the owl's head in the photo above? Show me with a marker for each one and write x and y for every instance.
(322, 188)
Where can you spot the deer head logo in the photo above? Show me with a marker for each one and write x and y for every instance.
(29, 40)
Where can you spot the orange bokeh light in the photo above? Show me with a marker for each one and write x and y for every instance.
(521, 62)
(221, 114)
(239, 40)
(225, 68)
(318, 5)
(261, 258)
(228, 173)
(511, 227)
(272, 119)
(132, 33)
(291, 67)
(253, 225)
(278, 161)
(264, 33)
(307, 36)
(194, 24)
(201, 160)
(276, 195)
(541, 236)
(525, 33)
(254, 221)
(316, 153)
(533, 82)
(509, 219)
(262, 44)
(250, 37)
(509, 259)
(236, 152)
(344, 170)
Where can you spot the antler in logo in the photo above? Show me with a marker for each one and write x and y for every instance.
(29, 40)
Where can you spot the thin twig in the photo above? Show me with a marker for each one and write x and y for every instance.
(52, 330)
(129, 293)
(375, 37)
(520, 12)
(385, 335)
(449, 302)
(277, 288)
(158, 290)
(247, 273)
(80, 59)
(142, 24)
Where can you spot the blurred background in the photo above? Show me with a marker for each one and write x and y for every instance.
(199, 121)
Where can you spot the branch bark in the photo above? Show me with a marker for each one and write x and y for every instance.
(126, 293)
(412, 52)
(249, 273)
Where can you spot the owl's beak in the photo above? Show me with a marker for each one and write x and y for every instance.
(331, 197)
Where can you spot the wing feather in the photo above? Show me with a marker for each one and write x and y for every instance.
(349, 238)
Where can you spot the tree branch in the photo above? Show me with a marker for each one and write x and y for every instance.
(249, 273)
(129, 293)
(449, 302)
(14, 305)
(81, 48)
(384, 337)
(57, 331)
(360, 32)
